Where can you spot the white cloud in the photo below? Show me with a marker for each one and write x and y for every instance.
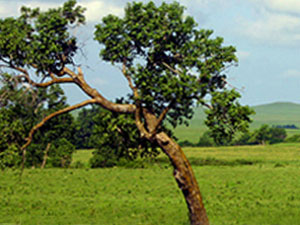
(12, 8)
(286, 6)
(8, 9)
(273, 27)
(277, 28)
(39, 4)
(96, 9)
(243, 54)
(291, 73)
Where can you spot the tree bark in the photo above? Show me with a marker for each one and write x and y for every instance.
(185, 179)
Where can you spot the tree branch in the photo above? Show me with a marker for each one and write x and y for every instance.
(54, 80)
(133, 88)
(206, 105)
(161, 118)
(78, 79)
(39, 125)
(93, 93)
(172, 69)
(139, 123)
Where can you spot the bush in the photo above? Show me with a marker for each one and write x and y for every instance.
(245, 139)
(60, 153)
(103, 158)
(10, 157)
(186, 143)
(206, 140)
(293, 139)
(263, 135)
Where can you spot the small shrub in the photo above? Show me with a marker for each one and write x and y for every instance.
(78, 165)
(206, 140)
(10, 157)
(102, 158)
(60, 153)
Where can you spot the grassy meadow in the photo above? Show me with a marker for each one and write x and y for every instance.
(240, 185)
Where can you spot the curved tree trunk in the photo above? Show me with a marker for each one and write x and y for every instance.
(185, 179)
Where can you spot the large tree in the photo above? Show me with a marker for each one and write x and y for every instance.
(170, 65)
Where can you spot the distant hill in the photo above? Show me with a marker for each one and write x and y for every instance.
(279, 113)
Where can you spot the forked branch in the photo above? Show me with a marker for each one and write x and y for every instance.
(138, 111)
(161, 118)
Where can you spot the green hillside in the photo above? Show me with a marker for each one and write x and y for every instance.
(279, 113)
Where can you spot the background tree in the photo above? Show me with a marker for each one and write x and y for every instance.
(268, 135)
(170, 64)
(264, 135)
(294, 138)
(114, 136)
(206, 140)
(227, 117)
(21, 108)
(85, 124)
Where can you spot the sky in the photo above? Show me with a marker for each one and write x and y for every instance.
(266, 34)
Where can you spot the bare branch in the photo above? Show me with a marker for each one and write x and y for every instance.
(133, 88)
(172, 69)
(20, 70)
(206, 105)
(78, 79)
(72, 74)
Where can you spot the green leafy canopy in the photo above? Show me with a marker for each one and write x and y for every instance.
(40, 40)
(171, 61)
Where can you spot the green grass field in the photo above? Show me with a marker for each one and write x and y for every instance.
(240, 185)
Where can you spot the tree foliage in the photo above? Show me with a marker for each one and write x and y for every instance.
(114, 136)
(40, 39)
(263, 135)
(227, 117)
(85, 124)
(21, 108)
(117, 138)
(162, 47)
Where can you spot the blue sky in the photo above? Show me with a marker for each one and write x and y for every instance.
(266, 34)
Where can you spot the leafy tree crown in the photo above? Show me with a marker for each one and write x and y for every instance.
(171, 62)
(40, 40)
